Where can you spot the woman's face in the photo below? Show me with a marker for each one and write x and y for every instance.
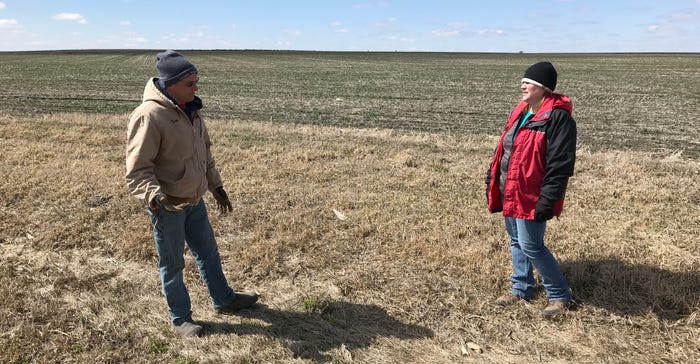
(532, 94)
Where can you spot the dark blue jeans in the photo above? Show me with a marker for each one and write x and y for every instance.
(527, 250)
(171, 230)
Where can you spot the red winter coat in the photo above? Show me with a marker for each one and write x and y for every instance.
(541, 161)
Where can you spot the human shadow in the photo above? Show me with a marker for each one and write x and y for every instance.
(328, 325)
(633, 289)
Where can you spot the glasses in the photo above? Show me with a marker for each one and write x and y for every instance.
(190, 84)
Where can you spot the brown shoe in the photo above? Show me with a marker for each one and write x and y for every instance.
(242, 301)
(555, 307)
(508, 299)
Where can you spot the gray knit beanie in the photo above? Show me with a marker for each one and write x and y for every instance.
(172, 67)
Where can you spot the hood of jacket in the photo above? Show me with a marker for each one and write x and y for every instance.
(154, 93)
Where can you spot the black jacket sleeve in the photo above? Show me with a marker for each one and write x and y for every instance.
(488, 175)
(560, 158)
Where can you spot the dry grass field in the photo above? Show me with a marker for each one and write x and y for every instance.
(410, 273)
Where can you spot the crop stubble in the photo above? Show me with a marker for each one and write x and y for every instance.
(645, 102)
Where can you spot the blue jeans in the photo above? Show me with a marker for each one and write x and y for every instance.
(527, 250)
(170, 231)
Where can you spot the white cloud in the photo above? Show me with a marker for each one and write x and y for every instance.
(653, 28)
(687, 17)
(2, 6)
(490, 32)
(133, 38)
(70, 17)
(453, 29)
(8, 23)
(373, 5)
(125, 23)
(401, 39)
(457, 24)
(196, 38)
(124, 40)
(16, 38)
(445, 33)
(292, 32)
(386, 24)
(338, 27)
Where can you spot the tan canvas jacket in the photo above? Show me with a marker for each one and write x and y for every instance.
(166, 153)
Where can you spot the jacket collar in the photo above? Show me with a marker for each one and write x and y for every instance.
(551, 102)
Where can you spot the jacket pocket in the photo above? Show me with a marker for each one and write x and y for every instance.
(183, 184)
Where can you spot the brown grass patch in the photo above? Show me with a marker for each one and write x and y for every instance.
(408, 276)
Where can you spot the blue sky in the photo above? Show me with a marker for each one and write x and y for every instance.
(354, 25)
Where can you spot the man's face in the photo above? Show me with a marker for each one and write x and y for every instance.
(183, 91)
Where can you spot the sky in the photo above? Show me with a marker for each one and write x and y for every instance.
(531, 26)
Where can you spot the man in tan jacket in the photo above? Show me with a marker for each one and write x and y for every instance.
(169, 167)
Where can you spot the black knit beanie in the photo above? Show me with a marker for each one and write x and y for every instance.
(172, 67)
(541, 74)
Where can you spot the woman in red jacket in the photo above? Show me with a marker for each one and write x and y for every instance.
(527, 181)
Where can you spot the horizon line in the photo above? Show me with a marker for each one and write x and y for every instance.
(87, 50)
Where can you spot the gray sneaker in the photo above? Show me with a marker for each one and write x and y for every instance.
(243, 300)
(188, 329)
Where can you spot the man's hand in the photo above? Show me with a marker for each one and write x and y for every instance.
(222, 201)
(168, 205)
